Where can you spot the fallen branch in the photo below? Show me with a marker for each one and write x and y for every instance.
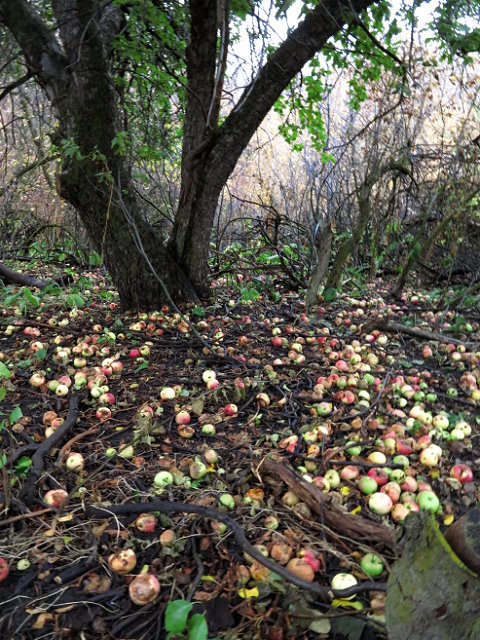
(325, 593)
(390, 326)
(9, 275)
(27, 493)
(25, 516)
(322, 504)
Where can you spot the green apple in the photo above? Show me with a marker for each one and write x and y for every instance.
(367, 485)
(428, 501)
(333, 478)
(372, 564)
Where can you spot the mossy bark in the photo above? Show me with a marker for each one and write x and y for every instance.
(431, 594)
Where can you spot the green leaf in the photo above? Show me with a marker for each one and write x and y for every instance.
(41, 354)
(320, 625)
(30, 297)
(15, 415)
(23, 465)
(3, 393)
(198, 311)
(197, 627)
(330, 295)
(74, 300)
(141, 366)
(249, 294)
(4, 371)
(3, 460)
(176, 615)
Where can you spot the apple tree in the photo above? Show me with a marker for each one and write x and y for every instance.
(88, 57)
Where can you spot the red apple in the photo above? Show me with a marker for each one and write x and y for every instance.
(4, 569)
(230, 409)
(55, 497)
(146, 522)
(182, 417)
(462, 472)
(379, 475)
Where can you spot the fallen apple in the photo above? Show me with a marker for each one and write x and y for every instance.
(462, 472)
(123, 561)
(367, 485)
(143, 589)
(4, 569)
(55, 498)
(182, 417)
(146, 522)
(380, 503)
(343, 581)
(428, 501)
(372, 564)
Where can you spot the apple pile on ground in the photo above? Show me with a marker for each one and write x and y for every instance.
(380, 422)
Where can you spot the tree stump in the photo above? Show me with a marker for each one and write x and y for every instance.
(431, 593)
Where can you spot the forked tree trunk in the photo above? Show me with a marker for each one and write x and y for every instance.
(76, 74)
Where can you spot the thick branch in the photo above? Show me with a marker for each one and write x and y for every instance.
(14, 85)
(288, 60)
(43, 54)
(322, 504)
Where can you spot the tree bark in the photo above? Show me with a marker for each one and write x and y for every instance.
(430, 592)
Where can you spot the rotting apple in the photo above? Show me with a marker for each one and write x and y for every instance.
(75, 462)
(55, 498)
(380, 475)
(146, 522)
(143, 589)
(122, 562)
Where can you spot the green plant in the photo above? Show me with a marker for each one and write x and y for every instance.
(180, 624)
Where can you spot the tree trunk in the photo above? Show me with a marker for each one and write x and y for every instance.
(348, 245)
(431, 594)
(95, 178)
(214, 159)
(324, 248)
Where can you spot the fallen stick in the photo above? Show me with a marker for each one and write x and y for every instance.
(163, 506)
(322, 504)
(391, 326)
(27, 492)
